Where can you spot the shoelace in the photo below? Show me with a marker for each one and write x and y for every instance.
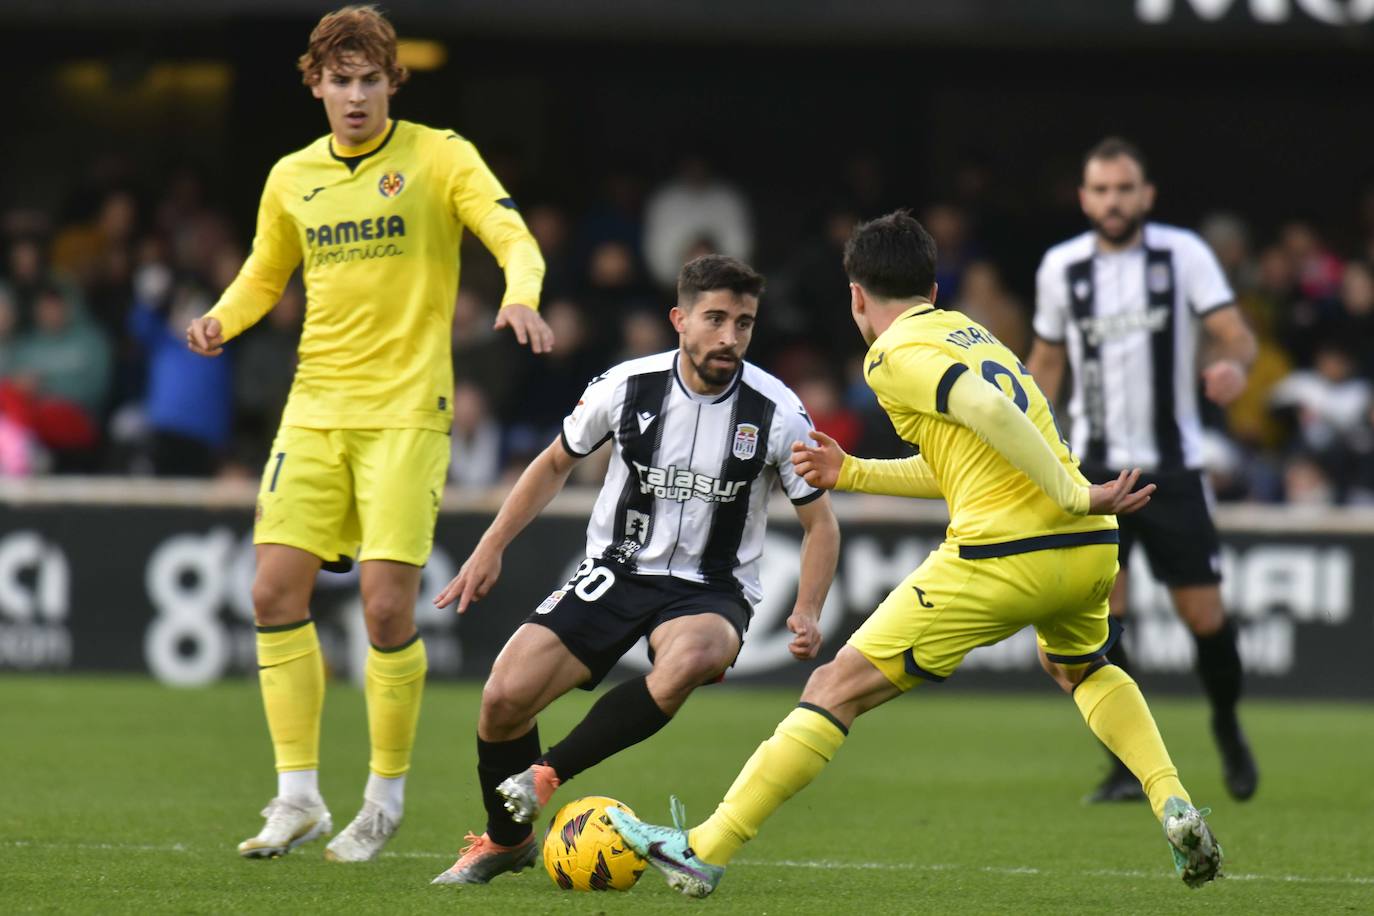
(280, 807)
(474, 844)
(371, 822)
(679, 812)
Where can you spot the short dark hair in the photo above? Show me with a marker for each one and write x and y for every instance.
(1115, 148)
(892, 256)
(711, 272)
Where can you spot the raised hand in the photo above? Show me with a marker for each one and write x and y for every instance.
(819, 464)
(1119, 496)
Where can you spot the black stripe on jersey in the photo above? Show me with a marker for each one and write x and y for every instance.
(1081, 300)
(634, 513)
(720, 556)
(946, 383)
(1159, 265)
(1039, 542)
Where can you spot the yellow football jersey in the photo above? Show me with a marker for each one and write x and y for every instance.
(376, 231)
(911, 367)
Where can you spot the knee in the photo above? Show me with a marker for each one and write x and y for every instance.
(1057, 672)
(692, 665)
(822, 688)
(502, 707)
(1061, 676)
(275, 602)
(389, 612)
(1205, 621)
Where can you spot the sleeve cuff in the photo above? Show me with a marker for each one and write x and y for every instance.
(567, 446)
(1057, 341)
(808, 498)
(1216, 307)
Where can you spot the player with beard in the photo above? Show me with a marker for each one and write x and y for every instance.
(1127, 306)
(673, 548)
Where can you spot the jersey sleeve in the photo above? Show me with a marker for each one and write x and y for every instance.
(914, 377)
(259, 284)
(591, 422)
(1051, 302)
(889, 477)
(792, 424)
(1203, 281)
(483, 205)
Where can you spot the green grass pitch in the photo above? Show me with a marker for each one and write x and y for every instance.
(122, 796)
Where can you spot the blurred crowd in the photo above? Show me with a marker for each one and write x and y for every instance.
(95, 297)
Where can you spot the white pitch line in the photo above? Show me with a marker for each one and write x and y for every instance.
(1020, 871)
(112, 847)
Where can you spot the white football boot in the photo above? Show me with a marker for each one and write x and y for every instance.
(364, 836)
(290, 822)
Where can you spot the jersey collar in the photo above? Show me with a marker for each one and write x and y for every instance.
(351, 156)
(921, 308)
(706, 398)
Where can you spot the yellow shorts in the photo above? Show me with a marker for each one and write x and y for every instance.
(950, 605)
(370, 494)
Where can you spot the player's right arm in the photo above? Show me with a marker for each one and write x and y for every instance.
(1047, 358)
(584, 431)
(259, 284)
(538, 485)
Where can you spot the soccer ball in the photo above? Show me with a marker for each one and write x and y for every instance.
(582, 851)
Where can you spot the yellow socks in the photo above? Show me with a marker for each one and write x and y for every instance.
(782, 766)
(291, 672)
(394, 680)
(1115, 710)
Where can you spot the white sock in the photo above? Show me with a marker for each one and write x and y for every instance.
(390, 793)
(299, 784)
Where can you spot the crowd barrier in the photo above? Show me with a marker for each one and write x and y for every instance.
(145, 576)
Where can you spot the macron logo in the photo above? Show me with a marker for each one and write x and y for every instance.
(646, 420)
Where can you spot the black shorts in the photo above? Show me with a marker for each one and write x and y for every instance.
(1175, 529)
(604, 610)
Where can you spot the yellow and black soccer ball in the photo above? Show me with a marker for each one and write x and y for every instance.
(582, 851)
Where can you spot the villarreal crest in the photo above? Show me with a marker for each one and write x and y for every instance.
(391, 184)
(746, 441)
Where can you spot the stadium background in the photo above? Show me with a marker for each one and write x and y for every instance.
(137, 138)
(631, 137)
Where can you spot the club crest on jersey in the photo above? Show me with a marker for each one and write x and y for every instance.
(1159, 278)
(746, 441)
(391, 184)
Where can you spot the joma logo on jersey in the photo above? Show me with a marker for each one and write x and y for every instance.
(391, 184)
(1108, 327)
(350, 231)
(680, 484)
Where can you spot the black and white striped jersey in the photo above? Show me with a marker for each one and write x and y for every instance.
(687, 489)
(1130, 322)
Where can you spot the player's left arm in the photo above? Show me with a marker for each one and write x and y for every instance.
(1231, 350)
(484, 207)
(983, 408)
(820, 554)
(820, 531)
(1230, 345)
